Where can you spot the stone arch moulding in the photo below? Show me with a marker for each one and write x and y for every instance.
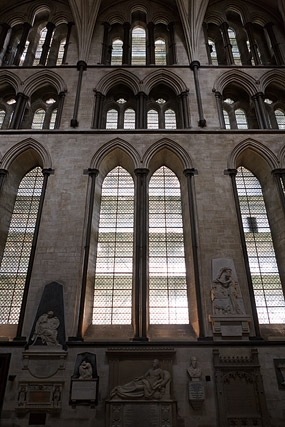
(41, 78)
(175, 148)
(214, 17)
(118, 77)
(255, 146)
(116, 18)
(281, 157)
(10, 78)
(111, 146)
(166, 77)
(238, 77)
(37, 7)
(271, 76)
(22, 146)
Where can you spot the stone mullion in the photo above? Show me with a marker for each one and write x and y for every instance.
(140, 273)
(227, 44)
(60, 103)
(45, 49)
(219, 101)
(126, 44)
(67, 42)
(150, 45)
(105, 60)
(258, 112)
(252, 43)
(171, 45)
(141, 115)
(260, 98)
(18, 111)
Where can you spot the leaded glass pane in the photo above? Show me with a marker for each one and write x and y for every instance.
(268, 292)
(53, 119)
(170, 119)
(18, 246)
(114, 263)
(117, 52)
(280, 118)
(130, 119)
(152, 119)
(160, 52)
(40, 46)
(168, 302)
(60, 52)
(38, 119)
(2, 117)
(138, 46)
(112, 119)
(235, 49)
(227, 119)
(241, 119)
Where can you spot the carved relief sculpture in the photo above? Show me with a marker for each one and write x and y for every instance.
(196, 385)
(194, 370)
(85, 371)
(46, 329)
(151, 385)
(225, 294)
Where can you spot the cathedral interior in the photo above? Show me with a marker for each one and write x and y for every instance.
(142, 239)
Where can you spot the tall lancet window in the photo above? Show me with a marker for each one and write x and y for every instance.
(15, 261)
(138, 46)
(168, 302)
(40, 46)
(114, 263)
(269, 297)
(117, 52)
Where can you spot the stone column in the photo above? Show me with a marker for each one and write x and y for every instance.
(141, 257)
(171, 45)
(98, 110)
(3, 173)
(253, 46)
(92, 173)
(61, 97)
(45, 50)
(194, 67)
(105, 60)
(258, 111)
(189, 173)
(232, 173)
(69, 28)
(227, 44)
(274, 43)
(185, 109)
(21, 100)
(22, 43)
(141, 111)
(81, 66)
(219, 101)
(46, 174)
(126, 44)
(264, 114)
(150, 60)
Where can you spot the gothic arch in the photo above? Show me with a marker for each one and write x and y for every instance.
(35, 81)
(281, 157)
(166, 77)
(109, 147)
(34, 9)
(237, 77)
(118, 77)
(21, 147)
(258, 148)
(272, 76)
(173, 147)
(12, 79)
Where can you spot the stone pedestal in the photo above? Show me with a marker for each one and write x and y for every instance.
(230, 327)
(131, 413)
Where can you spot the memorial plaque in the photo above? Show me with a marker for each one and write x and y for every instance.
(141, 415)
(196, 390)
(84, 390)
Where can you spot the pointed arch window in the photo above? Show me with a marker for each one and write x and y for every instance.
(170, 119)
(280, 118)
(168, 303)
(235, 49)
(2, 117)
(112, 119)
(267, 286)
(138, 46)
(129, 119)
(38, 119)
(152, 119)
(117, 52)
(160, 52)
(53, 119)
(15, 261)
(40, 46)
(114, 263)
(227, 119)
